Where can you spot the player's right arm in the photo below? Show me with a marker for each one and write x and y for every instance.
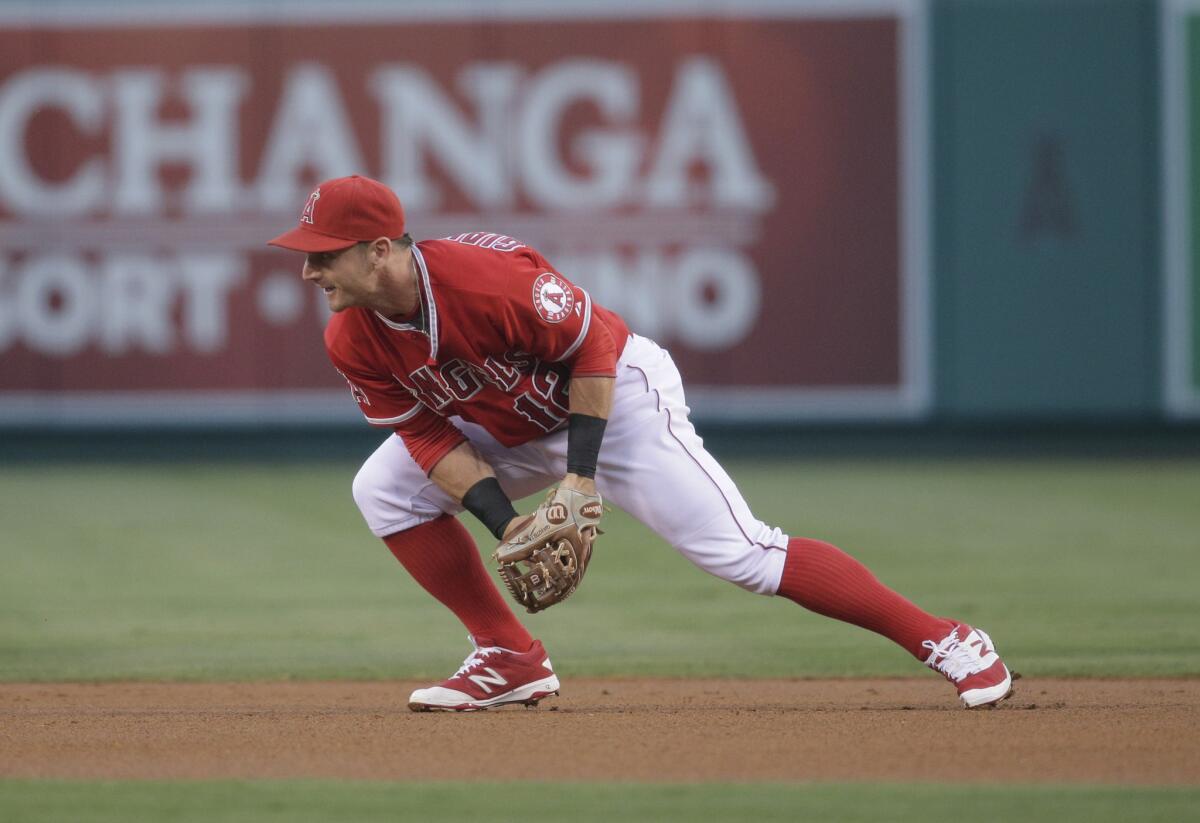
(466, 476)
(434, 443)
(438, 447)
(460, 469)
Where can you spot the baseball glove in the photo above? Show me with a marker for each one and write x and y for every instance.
(543, 561)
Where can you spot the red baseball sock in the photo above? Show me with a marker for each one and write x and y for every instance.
(441, 556)
(826, 580)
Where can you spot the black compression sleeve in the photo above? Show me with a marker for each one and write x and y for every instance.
(488, 502)
(584, 434)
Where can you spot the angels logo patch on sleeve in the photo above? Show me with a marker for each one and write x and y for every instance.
(552, 297)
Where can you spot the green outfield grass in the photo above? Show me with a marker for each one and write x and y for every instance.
(253, 571)
(301, 801)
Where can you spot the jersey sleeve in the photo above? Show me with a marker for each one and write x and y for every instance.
(384, 402)
(546, 315)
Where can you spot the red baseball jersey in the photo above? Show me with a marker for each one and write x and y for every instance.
(495, 341)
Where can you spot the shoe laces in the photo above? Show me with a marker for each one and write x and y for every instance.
(476, 657)
(953, 658)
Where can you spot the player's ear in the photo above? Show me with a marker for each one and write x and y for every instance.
(379, 249)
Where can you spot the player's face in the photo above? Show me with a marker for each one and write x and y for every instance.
(342, 274)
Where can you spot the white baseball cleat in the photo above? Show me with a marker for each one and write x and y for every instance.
(489, 677)
(967, 658)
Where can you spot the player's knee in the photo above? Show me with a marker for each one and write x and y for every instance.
(755, 568)
(753, 562)
(367, 489)
(387, 504)
(759, 573)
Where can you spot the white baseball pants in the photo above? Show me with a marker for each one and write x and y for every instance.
(652, 464)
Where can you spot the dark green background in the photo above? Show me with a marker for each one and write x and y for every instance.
(1193, 63)
(1062, 319)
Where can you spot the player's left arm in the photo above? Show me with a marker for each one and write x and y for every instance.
(550, 317)
(591, 405)
(543, 557)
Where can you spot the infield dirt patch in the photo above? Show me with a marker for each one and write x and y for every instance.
(1103, 731)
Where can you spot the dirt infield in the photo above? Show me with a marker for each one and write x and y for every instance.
(1102, 731)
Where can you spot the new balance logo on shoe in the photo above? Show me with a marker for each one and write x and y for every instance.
(482, 681)
(984, 651)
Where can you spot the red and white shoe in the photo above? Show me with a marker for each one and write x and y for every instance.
(967, 658)
(489, 677)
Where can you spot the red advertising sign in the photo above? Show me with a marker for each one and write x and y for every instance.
(744, 189)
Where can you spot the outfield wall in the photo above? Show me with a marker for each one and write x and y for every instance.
(1048, 285)
(873, 211)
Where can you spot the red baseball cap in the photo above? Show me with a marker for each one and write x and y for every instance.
(342, 212)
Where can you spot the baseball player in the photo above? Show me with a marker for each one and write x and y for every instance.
(502, 378)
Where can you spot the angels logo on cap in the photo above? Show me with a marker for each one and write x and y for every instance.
(552, 297)
(307, 216)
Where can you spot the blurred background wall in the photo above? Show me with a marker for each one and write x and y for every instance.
(892, 215)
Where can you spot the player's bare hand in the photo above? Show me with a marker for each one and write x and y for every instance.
(514, 526)
(578, 483)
